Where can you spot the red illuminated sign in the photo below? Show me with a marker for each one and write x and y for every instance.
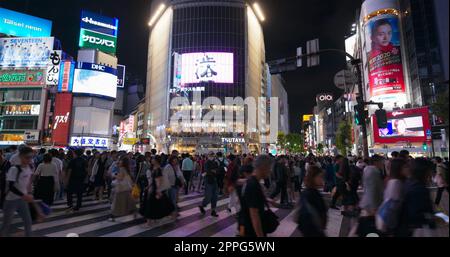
(408, 126)
(61, 120)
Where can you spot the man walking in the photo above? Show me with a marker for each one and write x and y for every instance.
(281, 173)
(76, 174)
(211, 188)
(187, 167)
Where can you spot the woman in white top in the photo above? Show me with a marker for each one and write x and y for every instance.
(47, 178)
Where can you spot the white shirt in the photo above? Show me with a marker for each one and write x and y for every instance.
(14, 159)
(21, 183)
(48, 170)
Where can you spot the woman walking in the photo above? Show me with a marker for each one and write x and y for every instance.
(122, 202)
(47, 178)
(312, 214)
(157, 204)
(98, 176)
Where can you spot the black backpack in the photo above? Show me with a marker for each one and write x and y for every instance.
(221, 169)
(3, 183)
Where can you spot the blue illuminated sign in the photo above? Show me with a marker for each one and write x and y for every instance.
(22, 25)
(96, 67)
(99, 23)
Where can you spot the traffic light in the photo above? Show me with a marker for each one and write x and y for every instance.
(359, 114)
(381, 118)
(425, 146)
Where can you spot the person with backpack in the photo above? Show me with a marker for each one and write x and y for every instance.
(4, 167)
(441, 179)
(18, 196)
(211, 185)
(221, 171)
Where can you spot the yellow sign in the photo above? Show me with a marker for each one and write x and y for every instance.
(130, 141)
(307, 117)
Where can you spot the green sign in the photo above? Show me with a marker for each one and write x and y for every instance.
(22, 78)
(94, 40)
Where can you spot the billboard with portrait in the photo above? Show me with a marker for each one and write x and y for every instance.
(22, 25)
(25, 52)
(207, 67)
(383, 49)
(408, 125)
(95, 79)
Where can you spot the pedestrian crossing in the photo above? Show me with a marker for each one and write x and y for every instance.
(92, 220)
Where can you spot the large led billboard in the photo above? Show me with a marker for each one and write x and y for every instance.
(207, 67)
(95, 79)
(22, 25)
(25, 52)
(383, 50)
(94, 40)
(409, 125)
(99, 23)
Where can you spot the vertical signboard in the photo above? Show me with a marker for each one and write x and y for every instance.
(384, 60)
(61, 121)
(66, 74)
(120, 76)
(52, 76)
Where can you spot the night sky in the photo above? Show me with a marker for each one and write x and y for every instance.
(289, 24)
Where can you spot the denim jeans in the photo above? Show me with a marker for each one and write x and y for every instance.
(9, 208)
(173, 193)
(211, 191)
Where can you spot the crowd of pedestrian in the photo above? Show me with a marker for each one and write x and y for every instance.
(387, 196)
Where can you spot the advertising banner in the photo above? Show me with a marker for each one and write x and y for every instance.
(25, 52)
(382, 36)
(90, 78)
(61, 122)
(66, 74)
(96, 142)
(52, 77)
(207, 67)
(22, 25)
(22, 78)
(99, 23)
(31, 137)
(21, 109)
(408, 125)
(121, 76)
(94, 40)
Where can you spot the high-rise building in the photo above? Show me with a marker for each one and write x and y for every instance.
(212, 47)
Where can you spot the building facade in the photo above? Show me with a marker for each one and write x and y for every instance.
(188, 42)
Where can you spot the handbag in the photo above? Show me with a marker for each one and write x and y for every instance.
(270, 221)
(136, 190)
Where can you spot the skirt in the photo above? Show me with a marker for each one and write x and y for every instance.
(122, 204)
(157, 208)
(45, 190)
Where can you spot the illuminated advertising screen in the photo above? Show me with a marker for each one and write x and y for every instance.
(207, 67)
(22, 25)
(94, 40)
(62, 116)
(23, 52)
(95, 79)
(383, 37)
(99, 23)
(409, 125)
(96, 142)
(22, 78)
(66, 74)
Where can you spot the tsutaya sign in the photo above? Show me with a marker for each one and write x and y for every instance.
(233, 140)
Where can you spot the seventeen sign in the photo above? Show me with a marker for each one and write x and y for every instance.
(23, 52)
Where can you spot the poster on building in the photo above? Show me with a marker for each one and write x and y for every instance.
(207, 67)
(383, 44)
(61, 120)
(25, 52)
(52, 76)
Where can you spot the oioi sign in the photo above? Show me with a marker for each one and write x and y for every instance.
(93, 40)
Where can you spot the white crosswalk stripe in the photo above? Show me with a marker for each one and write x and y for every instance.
(93, 220)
